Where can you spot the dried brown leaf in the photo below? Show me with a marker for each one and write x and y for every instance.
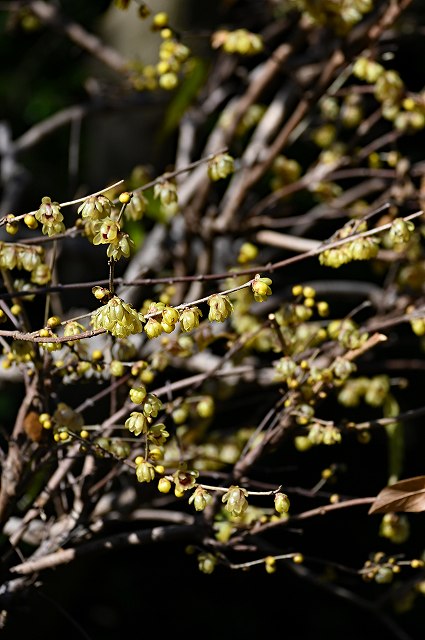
(406, 495)
(32, 426)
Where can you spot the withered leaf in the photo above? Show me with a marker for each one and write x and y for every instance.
(406, 495)
(32, 426)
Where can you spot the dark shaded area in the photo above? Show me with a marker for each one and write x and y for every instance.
(160, 591)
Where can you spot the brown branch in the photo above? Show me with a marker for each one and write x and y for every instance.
(186, 533)
(13, 465)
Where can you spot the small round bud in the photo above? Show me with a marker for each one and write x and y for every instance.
(302, 443)
(160, 20)
(138, 394)
(100, 292)
(116, 368)
(96, 355)
(180, 414)
(164, 485)
(30, 221)
(417, 564)
(53, 321)
(166, 34)
(124, 197)
(156, 453)
(247, 252)
(322, 309)
(298, 558)
(205, 408)
(168, 81)
(147, 376)
(12, 227)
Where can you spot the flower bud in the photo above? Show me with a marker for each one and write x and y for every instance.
(235, 501)
(261, 289)
(220, 167)
(138, 394)
(206, 562)
(189, 318)
(220, 308)
(281, 503)
(137, 423)
(200, 498)
(145, 472)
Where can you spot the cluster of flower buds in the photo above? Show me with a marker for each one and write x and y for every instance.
(166, 192)
(206, 562)
(380, 569)
(407, 113)
(374, 391)
(26, 257)
(285, 171)
(395, 527)
(102, 226)
(361, 248)
(136, 207)
(20, 352)
(323, 434)
(339, 15)
(118, 318)
(151, 405)
(240, 41)
(172, 55)
(163, 319)
(65, 419)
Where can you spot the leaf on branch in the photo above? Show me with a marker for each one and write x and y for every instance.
(32, 426)
(406, 495)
